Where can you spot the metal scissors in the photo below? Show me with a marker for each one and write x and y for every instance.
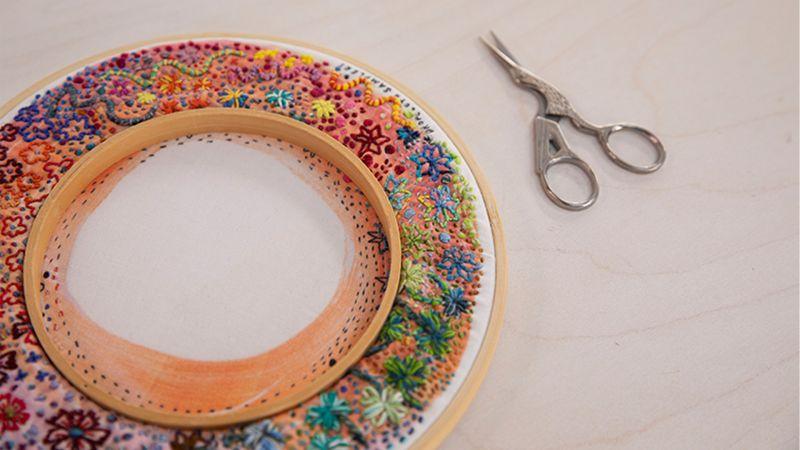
(550, 146)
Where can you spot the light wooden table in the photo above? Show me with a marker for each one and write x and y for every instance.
(664, 317)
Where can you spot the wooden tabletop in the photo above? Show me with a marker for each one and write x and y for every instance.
(666, 316)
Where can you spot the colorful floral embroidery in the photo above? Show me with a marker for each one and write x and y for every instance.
(383, 398)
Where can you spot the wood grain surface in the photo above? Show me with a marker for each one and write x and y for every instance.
(664, 317)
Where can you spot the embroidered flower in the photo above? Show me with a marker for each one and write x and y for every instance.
(441, 205)
(459, 264)
(12, 226)
(434, 334)
(170, 84)
(22, 328)
(14, 260)
(383, 406)
(11, 294)
(75, 430)
(8, 362)
(56, 169)
(280, 98)
(412, 275)
(119, 87)
(201, 84)
(323, 108)
(370, 138)
(29, 181)
(12, 413)
(329, 412)
(432, 161)
(263, 436)
(406, 375)
(233, 98)
(307, 59)
(454, 302)
(145, 98)
(324, 442)
(8, 132)
(10, 170)
(408, 135)
(198, 103)
(416, 241)
(394, 328)
(261, 54)
(169, 106)
(397, 191)
(378, 237)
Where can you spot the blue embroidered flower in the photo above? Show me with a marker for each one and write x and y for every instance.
(434, 334)
(441, 205)
(280, 98)
(263, 436)
(233, 98)
(396, 191)
(458, 263)
(433, 161)
(408, 135)
(454, 302)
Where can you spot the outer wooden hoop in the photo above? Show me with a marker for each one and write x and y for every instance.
(442, 426)
(163, 128)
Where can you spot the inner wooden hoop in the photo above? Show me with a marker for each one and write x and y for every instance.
(162, 129)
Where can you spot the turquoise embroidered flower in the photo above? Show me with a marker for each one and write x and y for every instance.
(396, 191)
(323, 442)
(329, 412)
(454, 302)
(280, 98)
(383, 406)
(394, 328)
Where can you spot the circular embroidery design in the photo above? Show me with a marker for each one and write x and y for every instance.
(403, 381)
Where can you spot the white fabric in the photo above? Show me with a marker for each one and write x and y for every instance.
(208, 251)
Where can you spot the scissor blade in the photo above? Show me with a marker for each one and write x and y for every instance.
(511, 65)
(502, 47)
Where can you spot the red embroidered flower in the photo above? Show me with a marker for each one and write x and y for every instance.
(8, 362)
(197, 103)
(8, 132)
(370, 139)
(56, 169)
(14, 260)
(12, 226)
(12, 413)
(11, 295)
(29, 181)
(169, 106)
(38, 151)
(23, 329)
(75, 430)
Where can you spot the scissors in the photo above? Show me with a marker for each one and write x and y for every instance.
(550, 146)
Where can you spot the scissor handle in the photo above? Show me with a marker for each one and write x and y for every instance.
(580, 164)
(551, 149)
(604, 134)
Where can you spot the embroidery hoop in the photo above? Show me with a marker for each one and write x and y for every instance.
(162, 129)
(446, 419)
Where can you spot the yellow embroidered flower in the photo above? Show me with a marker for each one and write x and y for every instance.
(261, 54)
(170, 85)
(289, 63)
(307, 59)
(201, 84)
(145, 98)
(323, 108)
